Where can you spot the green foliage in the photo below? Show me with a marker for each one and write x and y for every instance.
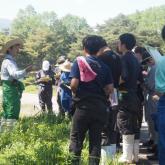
(145, 25)
(30, 80)
(40, 140)
(47, 37)
(31, 89)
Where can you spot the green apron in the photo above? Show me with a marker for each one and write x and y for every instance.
(12, 93)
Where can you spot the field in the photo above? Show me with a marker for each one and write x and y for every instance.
(41, 140)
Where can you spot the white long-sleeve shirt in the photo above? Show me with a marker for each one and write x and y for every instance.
(9, 69)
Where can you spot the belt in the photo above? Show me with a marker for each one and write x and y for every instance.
(123, 92)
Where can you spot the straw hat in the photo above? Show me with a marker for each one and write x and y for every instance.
(11, 43)
(66, 66)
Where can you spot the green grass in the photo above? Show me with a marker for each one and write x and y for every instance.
(41, 140)
(31, 89)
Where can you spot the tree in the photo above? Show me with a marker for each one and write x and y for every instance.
(77, 29)
(47, 37)
(25, 22)
(145, 25)
(44, 35)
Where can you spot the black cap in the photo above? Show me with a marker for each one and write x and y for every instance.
(145, 57)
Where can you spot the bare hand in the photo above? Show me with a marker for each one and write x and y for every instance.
(145, 73)
(155, 97)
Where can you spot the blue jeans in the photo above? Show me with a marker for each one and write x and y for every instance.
(161, 129)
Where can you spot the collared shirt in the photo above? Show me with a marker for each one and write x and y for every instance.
(160, 76)
(9, 69)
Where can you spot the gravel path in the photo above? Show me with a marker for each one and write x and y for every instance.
(30, 104)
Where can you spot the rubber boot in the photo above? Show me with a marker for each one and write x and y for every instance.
(3, 125)
(136, 151)
(10, 123)
(128, 144)
(113, 150)
(107, 153)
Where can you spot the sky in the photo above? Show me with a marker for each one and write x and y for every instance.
(94, 11)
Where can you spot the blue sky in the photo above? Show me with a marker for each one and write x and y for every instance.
(94, 11)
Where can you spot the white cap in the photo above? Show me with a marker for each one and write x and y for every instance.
(45, 65)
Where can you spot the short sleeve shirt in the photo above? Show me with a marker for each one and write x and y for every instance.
(112, 60)
(103, 78)
(160, 76)
(130, 71)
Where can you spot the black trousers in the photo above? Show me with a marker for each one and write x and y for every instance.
(45, 98)
(128, 115)
(109, 134)
(90, 116)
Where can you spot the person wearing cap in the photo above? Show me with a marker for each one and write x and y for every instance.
(151, 105)
(160, 88)
(12, 87)
(45, 80)
(65, 92)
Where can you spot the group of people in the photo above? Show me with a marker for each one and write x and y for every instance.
(13, 87)
(104, 92)
(58, 76)
(110, 91)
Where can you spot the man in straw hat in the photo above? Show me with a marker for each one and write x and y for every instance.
(65, 92)
(45, 80)
(11, 86)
